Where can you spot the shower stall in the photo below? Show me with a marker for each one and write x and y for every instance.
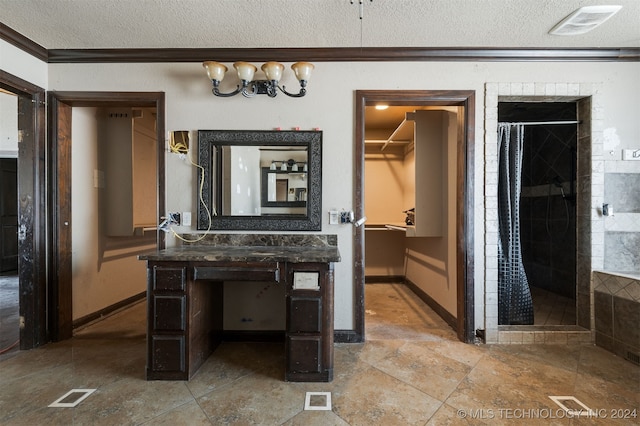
(537, 213)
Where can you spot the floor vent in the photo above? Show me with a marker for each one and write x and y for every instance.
(634, 358)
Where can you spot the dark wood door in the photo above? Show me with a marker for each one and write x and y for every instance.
(8, 214)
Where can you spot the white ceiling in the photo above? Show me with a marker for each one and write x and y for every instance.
(88, 24)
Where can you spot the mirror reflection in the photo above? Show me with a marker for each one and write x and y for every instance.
(261, 179)
(284, 184)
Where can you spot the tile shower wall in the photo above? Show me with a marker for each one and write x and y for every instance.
(617, 307)
(617, 289)
(622, 230)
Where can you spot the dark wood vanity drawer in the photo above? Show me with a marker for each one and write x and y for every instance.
(306, 315)
(269, 272)
(168, 278)
(169, 313)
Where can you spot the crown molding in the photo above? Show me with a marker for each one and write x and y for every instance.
(317, 54)
(342, 54)
(21, 42)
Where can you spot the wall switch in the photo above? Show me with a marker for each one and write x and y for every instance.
(186, 218)
(631, 154)
(334, 217)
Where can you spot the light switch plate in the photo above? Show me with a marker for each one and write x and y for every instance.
(334, 217)
(186, 218)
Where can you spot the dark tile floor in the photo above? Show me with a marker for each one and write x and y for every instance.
(411, 370)
(9, 316)
(552, 309)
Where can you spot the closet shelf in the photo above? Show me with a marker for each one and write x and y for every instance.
(403, 134)
(386, 227)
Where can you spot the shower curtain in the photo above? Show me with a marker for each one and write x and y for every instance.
(515, 306)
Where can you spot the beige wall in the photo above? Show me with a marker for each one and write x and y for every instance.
(22, 65)
(8, 125)
(329, 105)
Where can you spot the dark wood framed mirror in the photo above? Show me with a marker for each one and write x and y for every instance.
(260, 180)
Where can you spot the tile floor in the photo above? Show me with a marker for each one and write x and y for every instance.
(412, 370)
(9, 315)
(552, 309)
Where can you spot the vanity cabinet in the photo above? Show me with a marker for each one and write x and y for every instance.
(185, 308)
(309, 334)
(183, 326)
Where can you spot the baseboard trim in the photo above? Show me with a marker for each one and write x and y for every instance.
(444, 314)
(374, 279)
(347, 336)
(109, 310)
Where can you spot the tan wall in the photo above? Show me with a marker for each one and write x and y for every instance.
(384, 200)
(105, 270)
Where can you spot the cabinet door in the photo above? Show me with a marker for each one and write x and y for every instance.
(169, 313)
(306, 315)
(304, 354)
(169, 278)
(168, 354)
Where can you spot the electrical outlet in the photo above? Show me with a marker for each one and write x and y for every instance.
(186, 218)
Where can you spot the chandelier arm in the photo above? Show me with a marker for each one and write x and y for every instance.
(217, 91)
(249, 94)
(300, 94)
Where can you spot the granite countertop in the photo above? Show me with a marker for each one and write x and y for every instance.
(208, 253)
(252, 248)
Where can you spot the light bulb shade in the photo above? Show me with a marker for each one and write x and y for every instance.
(245, 70)
(215, 70)
(284, 166)
(273, 165)
(273, 70)
(294, 168)
(302, 70)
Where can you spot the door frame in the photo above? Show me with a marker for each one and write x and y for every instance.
(465, 196)
(32, 214)
(60, 272)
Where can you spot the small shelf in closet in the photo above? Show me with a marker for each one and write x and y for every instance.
(402, 135)
(386, 227)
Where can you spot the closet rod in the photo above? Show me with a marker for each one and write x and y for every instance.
(539, 123)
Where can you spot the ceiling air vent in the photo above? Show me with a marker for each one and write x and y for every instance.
(584, 20)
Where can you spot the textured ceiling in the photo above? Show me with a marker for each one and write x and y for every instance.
(88, 24)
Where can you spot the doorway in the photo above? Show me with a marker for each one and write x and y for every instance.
(31, 211)
(61, 105)
(548, 208)
(464, 102)
(9, 215)
(9, 301)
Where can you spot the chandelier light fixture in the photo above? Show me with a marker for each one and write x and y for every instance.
(250, 87)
